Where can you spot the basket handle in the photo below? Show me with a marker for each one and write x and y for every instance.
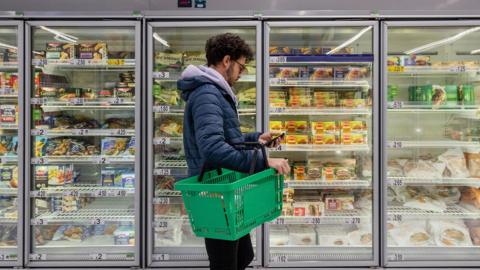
(241, 146)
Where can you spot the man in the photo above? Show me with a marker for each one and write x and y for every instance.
(211, 126)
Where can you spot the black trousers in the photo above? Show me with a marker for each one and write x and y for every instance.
(229, 255)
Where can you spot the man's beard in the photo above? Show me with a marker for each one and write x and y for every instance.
(230, 79)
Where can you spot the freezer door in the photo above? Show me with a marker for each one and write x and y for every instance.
(11, 143)
(173, 46)
(321, 91)
(431, 167)
(83, 131)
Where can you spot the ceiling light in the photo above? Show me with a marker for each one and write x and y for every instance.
(161, 40)
(442, 41)
(351, 40)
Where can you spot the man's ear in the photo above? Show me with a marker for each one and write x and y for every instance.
(226, 61)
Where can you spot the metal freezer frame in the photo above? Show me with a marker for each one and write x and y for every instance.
(136, 26)
(21, 140)
(150, 25)
(376, 142)
(385, 25)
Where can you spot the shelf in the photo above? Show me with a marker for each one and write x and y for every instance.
(320, 148)
(6, 191)
(86, 63)
(83, 191)
(290, 253)
(83, 159)
(399, 213)
(171, 164)
(49, 104)
(317, 184)
(8, 126)
(330, 218)
(167, 76)
(430, 253)
(95, 243)
(168, 200)
(430, 144)
(167, 140)
(280, 111)
(167, 193)
(8, 159)
(176, 110)
(82, 132)
(8, 93)
(412, 181)
(163, 221)
(337, 59)
(87, 217)
(429, 70)
(284, 82)
(8, 65)
(4, 220)
(175, 171)
(409, 107)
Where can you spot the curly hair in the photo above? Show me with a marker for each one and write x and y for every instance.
(226, 44)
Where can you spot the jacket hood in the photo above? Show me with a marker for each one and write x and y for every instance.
(195, 76)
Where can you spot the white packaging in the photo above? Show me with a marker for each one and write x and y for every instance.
(301, 235)
(450, 233)
(411, 234)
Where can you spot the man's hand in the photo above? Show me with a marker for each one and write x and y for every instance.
(267, 137)
(279, 164)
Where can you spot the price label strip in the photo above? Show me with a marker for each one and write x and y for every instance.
(97, 221)
(162, 141)
(278, 110)
(162, 200)
(38, 257)
(162, 75)
(80, 132)
(278, 59)
(98, 256)
(162, 224)
(38, 101)
(39, 221)
(117, 193)
(161, 109)
(116, 101)
(279, 221)
(38, 194)
(74, 193)
(103, 160)
(39, 160)
(162, 257)
(38, 132)
(163, 172)
(100, 193)
(280, 259)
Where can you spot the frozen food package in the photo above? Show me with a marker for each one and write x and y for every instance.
(455, 162)
(439, 95)
(124, 235)
(474, 228)
(364, 200)
(448, 194)
(471, 197)
(248, 96)
(303, 235)
(8, 114)
(424, 169)
(413, 233)
(278, 236)
(287, 209)
(113, 146)
(449, 233)
(360, 237)
(170, 127)
(339, 202)
(72, 233)
(276, 126)
(406, 193)
(308, 208)
(296, 126)
(472, 157)
(331, 236)
(196, 58)
(168, 61)
(366, 167)
(58, 50)
(321, 73)
(169, 233)
(324, 127)
(427, 203)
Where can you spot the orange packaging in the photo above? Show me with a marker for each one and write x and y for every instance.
(324, 138)
(353, 138)
(353, 103)
(349, 126)
(328, 173)
(296, 126)
(276, 126)
(299, 172)
(297, 139)
(324, 127)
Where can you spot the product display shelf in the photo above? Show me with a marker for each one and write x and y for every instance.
(83, 159)
(8, 159)
(339, 59)
(8, 220)
(286, 111)
(320, 148)
(8, 65)
(83, 191)
(355, 216)
(8, 253)
(415, 181)
(83, 132)
(289, 253)
(162, 221)
(167, 76)
(176, 110)
(95, 243)
(324, 184)
(86, 217)
(4, 126)
(7, 191)
(168, 199)
(164, 140)
(450, 253)
(430, 144)
(432, 70)
(112, 103)
(86, 63)
(455, 212)
(286, 82)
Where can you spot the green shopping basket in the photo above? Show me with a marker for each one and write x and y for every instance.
(229, 204)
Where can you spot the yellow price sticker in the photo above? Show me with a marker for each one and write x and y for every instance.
(116, 62)
(396, 69)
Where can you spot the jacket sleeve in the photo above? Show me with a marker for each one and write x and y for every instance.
(252, 137)
(208, 124)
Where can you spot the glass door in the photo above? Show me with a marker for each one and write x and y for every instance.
(11, 143)
(83, 131)
(321, 81)
(171, 48)
(432, 165)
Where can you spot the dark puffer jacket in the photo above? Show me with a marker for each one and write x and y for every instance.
(211, 125)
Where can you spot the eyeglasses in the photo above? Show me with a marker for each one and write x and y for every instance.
(242, 66)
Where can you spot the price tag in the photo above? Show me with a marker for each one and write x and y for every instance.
(163, 172)
(162, 75)
(98, 256)
(38, 132)
(397, 257)
(278, 59)
(280, 259)
(277, 110)
(101, 193)
(397, 104)
(97, 221)
(397, 182)
(354, 220)
(38, 257)
(397, 218)
(162, 200)
(80, 62)
(162, 141)
(38, 193)
(118, 193)
(80, 132)
(460, 68)
(39, 160)
(116, 101)
(39, 221)
(396, 144)
(279, 81)
(162, 224)
(120, 132)
(38, 101)
(76, 101)
(74, 193)
(315, 220)
(162, 257)
(103, 160)
(279, 221)
(396, 68)
(116, 62)
(161, 109)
